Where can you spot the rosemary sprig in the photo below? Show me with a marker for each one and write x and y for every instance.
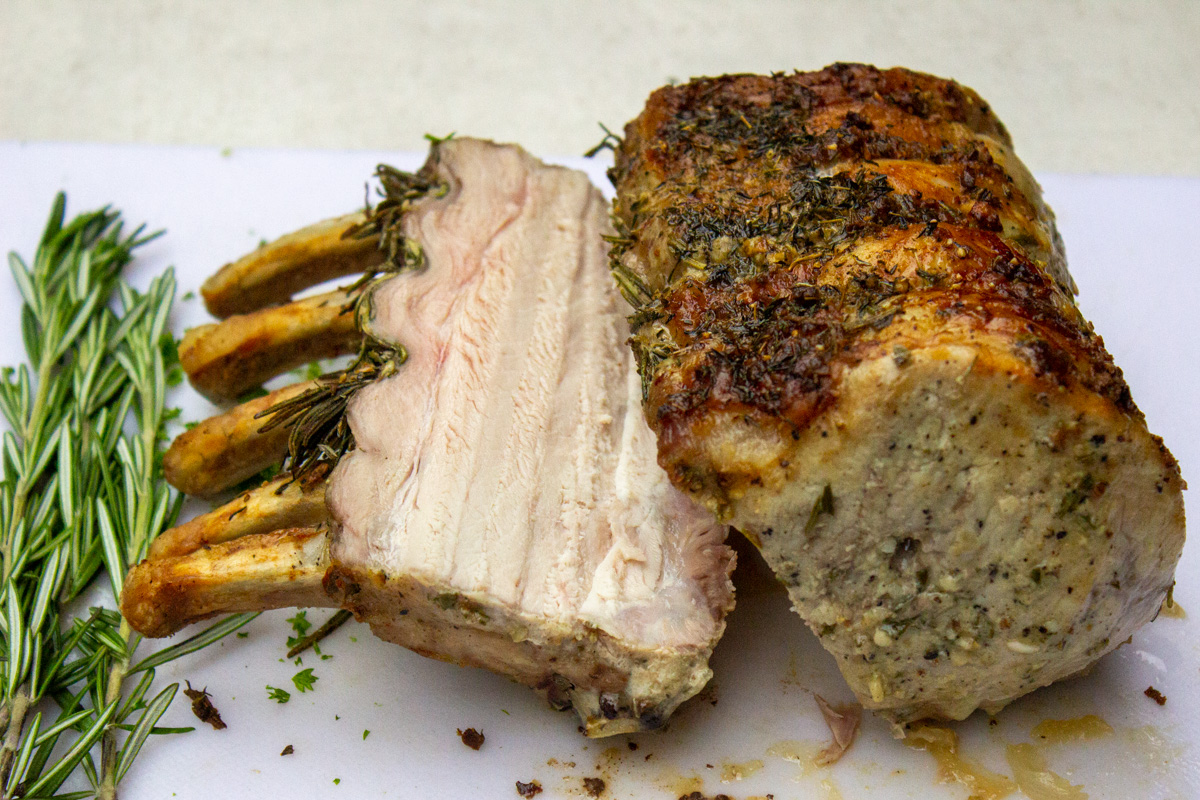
(320, 433)
(81, 493)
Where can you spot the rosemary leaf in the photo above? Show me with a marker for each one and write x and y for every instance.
(145, 724)
(203, 639)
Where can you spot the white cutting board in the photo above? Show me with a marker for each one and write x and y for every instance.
(1131, 250)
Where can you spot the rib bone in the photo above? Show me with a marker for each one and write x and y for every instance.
(501, 506)
(281, 503)
(252, 573)
(224, 450)
(292, 263)
(224, 360)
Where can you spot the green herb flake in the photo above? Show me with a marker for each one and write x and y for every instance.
(300, 625)
(1076, 495)
(366, 734)
(278, 695)
(823, 505)
(446, 600)
(243, 635)
(304, 680)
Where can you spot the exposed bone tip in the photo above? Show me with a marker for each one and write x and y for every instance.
(146, 603)
(252, 573)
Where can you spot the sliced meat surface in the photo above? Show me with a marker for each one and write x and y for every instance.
(503, 506)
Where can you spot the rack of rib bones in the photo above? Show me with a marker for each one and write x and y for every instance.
(480, 485)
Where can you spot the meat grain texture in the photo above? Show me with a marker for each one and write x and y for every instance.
(859, 345)
(503, 506)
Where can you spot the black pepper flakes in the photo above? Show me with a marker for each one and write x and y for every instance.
(594, 786)
(471, 738)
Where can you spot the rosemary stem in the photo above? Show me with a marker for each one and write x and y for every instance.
(19, 705)
(340, 617)
(108, 748)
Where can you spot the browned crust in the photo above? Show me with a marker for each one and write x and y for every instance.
(277, 270)
(775, 229)
(224, 360)
(276, 505)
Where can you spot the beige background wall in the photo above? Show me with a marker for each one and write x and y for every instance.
(1108, 87)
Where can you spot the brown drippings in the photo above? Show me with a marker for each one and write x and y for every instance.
(942, 744)
(677, 785)
(829, 790)
(1054, 731)
(803, 753)
(594, 786)
(1034, 777)
(529, 789)
(735, 772)
(1172, 609)
(471, 738)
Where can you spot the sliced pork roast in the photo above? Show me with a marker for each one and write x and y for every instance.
(502, 506)
(859, 345)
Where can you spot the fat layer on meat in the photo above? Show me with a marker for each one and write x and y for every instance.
(859, 345)
(503, 506)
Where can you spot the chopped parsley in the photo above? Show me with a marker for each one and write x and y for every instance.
(300, 625)
(278, 695)
(304, 680)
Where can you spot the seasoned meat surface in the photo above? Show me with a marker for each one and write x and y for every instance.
(858, 344)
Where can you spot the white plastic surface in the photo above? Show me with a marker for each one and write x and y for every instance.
(1131, 251)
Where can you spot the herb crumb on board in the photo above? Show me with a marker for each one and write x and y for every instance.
(471, 738)
(529, 789)
(1155, 695)
(287, 751)
(203, 708)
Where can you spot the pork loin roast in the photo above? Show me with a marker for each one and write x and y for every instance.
(502, 506)
(859, 345)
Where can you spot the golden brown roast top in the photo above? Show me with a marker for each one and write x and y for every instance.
(774, 230)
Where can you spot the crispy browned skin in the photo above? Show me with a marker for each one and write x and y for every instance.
(277, 270)
(781, 226)
(224, 360)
